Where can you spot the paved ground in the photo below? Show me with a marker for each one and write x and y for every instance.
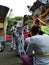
(9, 58)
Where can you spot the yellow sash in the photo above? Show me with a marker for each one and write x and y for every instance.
(41, 54)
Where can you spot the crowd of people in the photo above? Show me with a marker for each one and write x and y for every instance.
(34, 50)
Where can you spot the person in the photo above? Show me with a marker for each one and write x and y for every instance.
(39, 43)
(20, 38)
(13, 29)
(25, 44)
(3, 36)
(28, 59)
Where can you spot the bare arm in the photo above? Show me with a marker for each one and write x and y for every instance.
(29, 50)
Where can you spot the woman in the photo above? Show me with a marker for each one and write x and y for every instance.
(39, 42)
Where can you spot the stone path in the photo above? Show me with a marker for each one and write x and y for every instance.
(9, 58)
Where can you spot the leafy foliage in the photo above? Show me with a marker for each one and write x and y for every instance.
(29, 21)
(15, 19)
(45, 29)
(11, 22)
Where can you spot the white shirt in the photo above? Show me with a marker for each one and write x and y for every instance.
(41, 46)
(27, 40)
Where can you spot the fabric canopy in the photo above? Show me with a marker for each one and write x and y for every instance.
(3, 13)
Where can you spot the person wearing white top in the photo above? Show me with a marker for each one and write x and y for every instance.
(39, 42)
(13, 29)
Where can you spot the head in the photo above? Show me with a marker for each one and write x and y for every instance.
(36, 30)
(37, 22)
(15, 22)
(29, 35)
(25, 19)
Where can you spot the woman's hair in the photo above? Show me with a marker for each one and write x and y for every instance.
(37, 22)
(15, 22)
(29, 35)
(36, 30)
(41, 32)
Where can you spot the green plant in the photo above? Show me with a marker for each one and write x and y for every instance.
(11, 22)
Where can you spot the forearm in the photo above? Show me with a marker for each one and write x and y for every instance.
(29, 49)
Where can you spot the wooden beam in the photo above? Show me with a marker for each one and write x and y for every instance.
(45, 13)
